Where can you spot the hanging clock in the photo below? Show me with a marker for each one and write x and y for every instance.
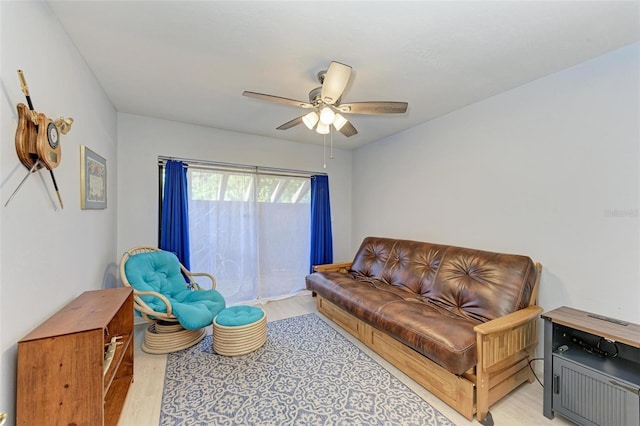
(52, 135)
(38, 139)
(48, 142)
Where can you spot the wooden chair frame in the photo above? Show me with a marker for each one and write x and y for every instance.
(504, 347)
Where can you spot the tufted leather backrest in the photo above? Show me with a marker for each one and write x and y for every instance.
(472, 283)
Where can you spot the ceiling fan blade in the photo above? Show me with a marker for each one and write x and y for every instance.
(348, 129)
(374, 107)
(278, 99)
(290, 124)
(335, 81)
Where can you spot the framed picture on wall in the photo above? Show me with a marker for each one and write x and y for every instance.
(93, 180)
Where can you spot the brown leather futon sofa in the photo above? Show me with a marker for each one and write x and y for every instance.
(461, 322)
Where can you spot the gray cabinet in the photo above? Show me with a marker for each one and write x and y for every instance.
(591, 368)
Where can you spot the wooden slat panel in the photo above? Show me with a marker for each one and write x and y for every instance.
(509, 384)
(346, 321)
(498, 347)
(499, 377)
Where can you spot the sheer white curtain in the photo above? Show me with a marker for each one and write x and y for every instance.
(251, 231)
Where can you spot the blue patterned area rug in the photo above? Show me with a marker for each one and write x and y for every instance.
(306, 374)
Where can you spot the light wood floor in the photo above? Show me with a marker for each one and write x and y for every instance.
(142, 407)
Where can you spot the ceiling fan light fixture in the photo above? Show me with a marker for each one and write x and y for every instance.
(325, 107)
(322, 128)
(327, 115)
(310, 119)
(339, 121)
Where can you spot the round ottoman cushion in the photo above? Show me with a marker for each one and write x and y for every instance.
(239, 315)
(239, 330)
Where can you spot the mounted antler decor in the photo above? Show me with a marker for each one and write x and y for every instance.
(38, 139)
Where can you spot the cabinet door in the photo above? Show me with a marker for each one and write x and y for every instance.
(591, 398)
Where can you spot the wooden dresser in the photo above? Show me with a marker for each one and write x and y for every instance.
(66, 373)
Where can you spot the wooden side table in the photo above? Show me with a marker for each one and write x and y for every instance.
(77, 366)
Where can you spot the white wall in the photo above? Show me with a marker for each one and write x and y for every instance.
(549, 169)
(141, 140)
(48, 255)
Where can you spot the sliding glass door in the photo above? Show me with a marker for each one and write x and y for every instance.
(250, 230)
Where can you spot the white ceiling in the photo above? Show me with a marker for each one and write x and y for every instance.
(190, 61)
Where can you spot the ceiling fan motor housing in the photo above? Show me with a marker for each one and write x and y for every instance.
(321, 76)
(315, 97)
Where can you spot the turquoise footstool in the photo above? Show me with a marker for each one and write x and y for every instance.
(238, 330)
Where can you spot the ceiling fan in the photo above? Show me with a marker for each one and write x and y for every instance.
(326, 106)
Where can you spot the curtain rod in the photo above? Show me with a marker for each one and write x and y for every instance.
(216, 164)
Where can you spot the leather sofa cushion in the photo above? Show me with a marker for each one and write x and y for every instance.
(477, 284)
(429, 296)
(411, 265)
(441, 336)
(483, 285)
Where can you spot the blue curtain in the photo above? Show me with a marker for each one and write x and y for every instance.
(174, 234)
(321, 238)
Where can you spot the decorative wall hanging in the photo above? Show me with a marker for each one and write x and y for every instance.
(93, 180)
(38, 140)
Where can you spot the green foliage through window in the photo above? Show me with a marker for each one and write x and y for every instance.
(212, 185)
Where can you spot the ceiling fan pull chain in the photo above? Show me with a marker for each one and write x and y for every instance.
(331, 136)
(324, 150)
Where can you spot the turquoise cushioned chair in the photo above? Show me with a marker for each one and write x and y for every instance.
(180, 309)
